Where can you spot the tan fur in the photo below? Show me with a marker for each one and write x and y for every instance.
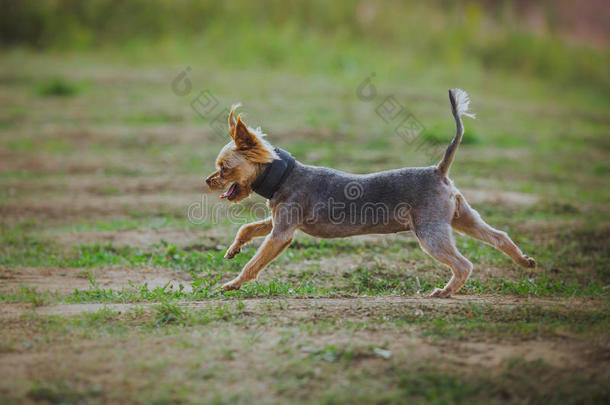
(248, 232)
(273, 245)
(231, 119)
(241, 160)
(469, 222)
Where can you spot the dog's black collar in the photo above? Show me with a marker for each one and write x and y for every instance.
(274, 175)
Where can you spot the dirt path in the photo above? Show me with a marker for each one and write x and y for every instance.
(66, 280)
(345, 307)
(275, 333)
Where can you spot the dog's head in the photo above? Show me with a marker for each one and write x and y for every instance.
(241, 161)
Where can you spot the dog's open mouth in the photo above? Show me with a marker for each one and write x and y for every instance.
(231, 192)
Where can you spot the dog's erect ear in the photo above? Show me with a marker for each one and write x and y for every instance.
(242, 137)
(232, 119)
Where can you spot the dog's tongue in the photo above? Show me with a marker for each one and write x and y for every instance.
(228, 192)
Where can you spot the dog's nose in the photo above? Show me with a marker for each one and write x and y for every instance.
(208, 181)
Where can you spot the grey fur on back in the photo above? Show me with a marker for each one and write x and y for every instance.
(317, 199)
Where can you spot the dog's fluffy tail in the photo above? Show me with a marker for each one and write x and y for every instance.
(459, 106)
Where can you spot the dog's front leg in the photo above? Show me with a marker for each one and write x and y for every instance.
(248, 232)
(273, 245)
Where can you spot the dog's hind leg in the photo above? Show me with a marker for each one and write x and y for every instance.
(467, 220)
(436, 239)
(248, 232)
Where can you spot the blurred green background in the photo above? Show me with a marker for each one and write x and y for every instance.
(541, 39)
(538, 74)
(343, 38)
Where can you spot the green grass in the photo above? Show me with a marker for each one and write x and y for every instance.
(471, 322)
(206, 285)
(57, 87)
(27, 294)
(572, 262)
(57, 392)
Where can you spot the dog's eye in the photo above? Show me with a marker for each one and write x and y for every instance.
(223, 169)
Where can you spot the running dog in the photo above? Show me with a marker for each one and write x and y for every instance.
(328, 203)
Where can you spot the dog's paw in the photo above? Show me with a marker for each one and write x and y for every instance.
(439, 293)
(232, 252)
(231, 285)
(528, 262)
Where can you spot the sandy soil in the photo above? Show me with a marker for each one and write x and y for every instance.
(345, 307)
(65, 280)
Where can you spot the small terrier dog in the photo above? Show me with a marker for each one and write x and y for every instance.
(329, 203)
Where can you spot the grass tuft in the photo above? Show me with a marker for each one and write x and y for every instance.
(57, 87)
